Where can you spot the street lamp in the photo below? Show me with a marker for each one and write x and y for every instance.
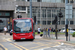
(30, 8)
(16, 7)
(40, 13)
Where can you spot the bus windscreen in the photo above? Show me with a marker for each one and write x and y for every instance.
(22, 26)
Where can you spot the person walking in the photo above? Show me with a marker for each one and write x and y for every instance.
(39, 30)
(44, 32)
(49, 33)
(5, 30)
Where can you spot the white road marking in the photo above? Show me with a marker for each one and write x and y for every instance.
(62, 43)
(56, 49)
(44, 48)
(53, 46)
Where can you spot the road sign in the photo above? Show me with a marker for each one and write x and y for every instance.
(68, 11)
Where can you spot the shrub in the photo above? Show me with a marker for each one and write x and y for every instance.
(73, 35)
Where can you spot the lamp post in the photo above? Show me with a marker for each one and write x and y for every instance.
(66, 21)
(16, 7)
(40, 13)
(30, 8)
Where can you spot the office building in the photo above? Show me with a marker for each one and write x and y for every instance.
(44, 10)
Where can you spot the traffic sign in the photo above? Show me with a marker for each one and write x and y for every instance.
(68, 11)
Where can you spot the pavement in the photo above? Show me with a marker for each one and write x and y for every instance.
(62, 38)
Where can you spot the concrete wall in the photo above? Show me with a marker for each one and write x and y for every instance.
(9, 5)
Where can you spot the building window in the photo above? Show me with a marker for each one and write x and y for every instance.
(28, 0)
(53, 12)
(34, 0)
(62, 22)
(21, 8)
(43, 12)
(49, 22)
(48, 13)
(17, 0)
(39, 0)
(23, 0)
(44, 22)
(60, 1)
(38, 22)
(71, 22)
(20, 0)
(45, 0)
(53, 23)
(71, 1)
(52, 1)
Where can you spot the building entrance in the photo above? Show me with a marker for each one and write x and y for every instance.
(6, 19)
(4, 22)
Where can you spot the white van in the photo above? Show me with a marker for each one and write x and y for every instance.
(69, 30)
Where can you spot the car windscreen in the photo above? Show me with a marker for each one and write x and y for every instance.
(22, 26)
(63, 29)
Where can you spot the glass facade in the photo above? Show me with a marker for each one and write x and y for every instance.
(47, 15)
(51, 1)
(23, 8)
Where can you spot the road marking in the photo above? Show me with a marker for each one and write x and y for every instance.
(51, 46)
(3, 47)
(16, 46)
(56, 49)
(8, 39)
(69, 44)
(62, 43)
(41, 48)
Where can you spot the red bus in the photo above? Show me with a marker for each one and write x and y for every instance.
(23, 28)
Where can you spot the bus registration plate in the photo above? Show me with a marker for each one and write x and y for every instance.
(22, 38)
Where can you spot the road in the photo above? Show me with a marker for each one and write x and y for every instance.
(6, 43)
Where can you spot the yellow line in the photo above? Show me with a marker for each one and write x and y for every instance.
(69, 44)
(42, 48)
(22, 47)
(18, 45)
(9, 39)
(3, 47)
(15, 46)
(46, 46)
(59, 43)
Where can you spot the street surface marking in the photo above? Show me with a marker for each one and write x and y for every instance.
(3, 47)
(43, 48)
(16, 46)
(9, 39)
(69, 44)
(62, 43)
(53, 46)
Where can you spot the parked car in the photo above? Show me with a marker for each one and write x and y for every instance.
(69, 30)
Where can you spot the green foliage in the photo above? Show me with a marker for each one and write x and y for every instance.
(37, 32)
(73, 34)
(50, 33)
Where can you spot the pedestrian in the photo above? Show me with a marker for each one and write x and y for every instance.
(44, 32)
(52, 29)
(39, 30)
(49, 32)
(5, 30)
